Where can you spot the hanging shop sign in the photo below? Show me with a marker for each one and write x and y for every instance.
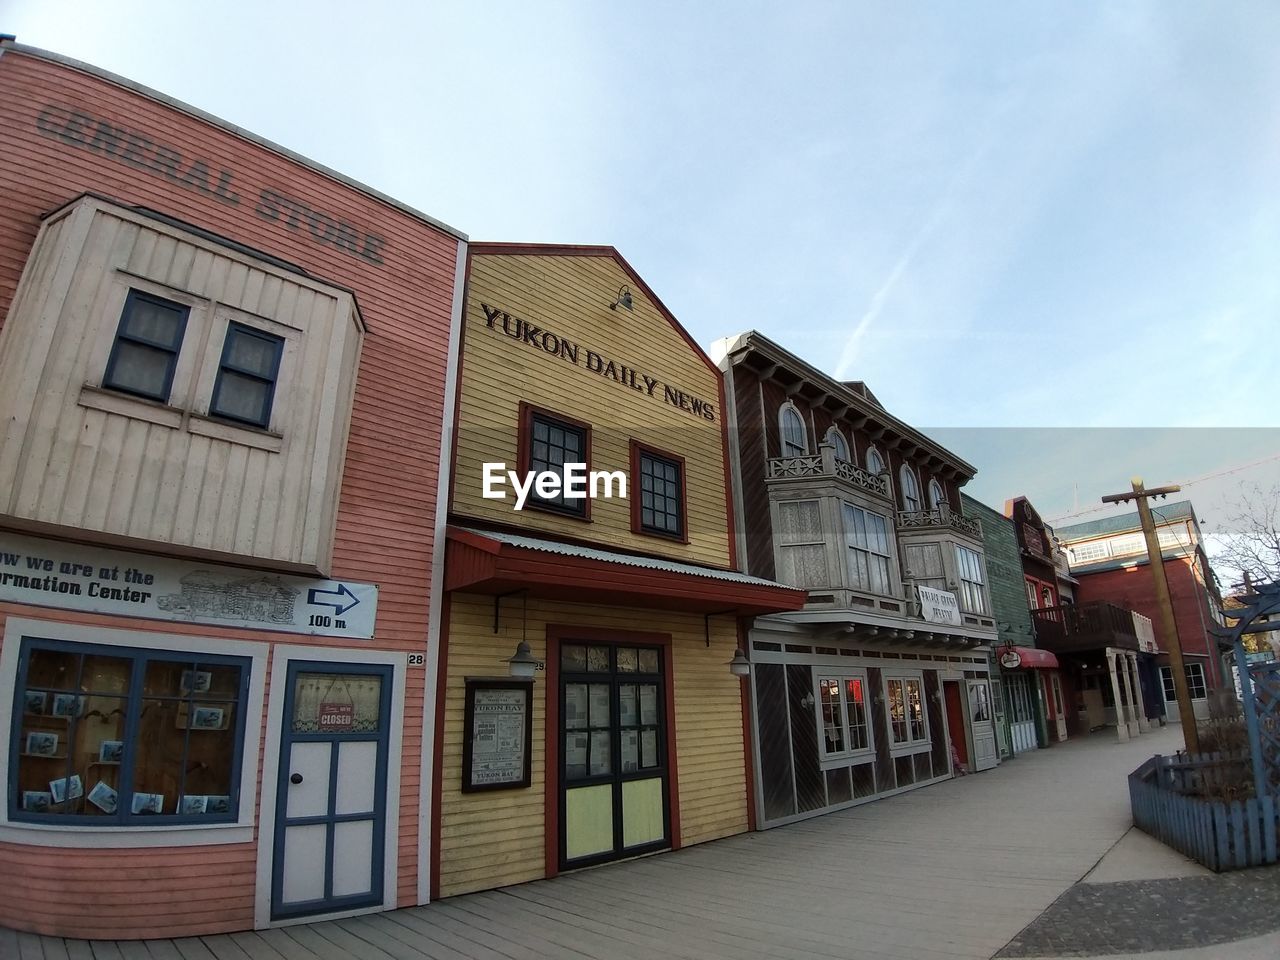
(939, 606)
(624, 374)
(337, 717)
(1010, 659)
(498, 735)
(67, 576)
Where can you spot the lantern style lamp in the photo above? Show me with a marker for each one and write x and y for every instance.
(740, 666)
(524, 664)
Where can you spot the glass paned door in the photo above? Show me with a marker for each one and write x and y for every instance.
(613, 764)
(331, 799)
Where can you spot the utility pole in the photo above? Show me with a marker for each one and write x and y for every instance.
(1141, 495)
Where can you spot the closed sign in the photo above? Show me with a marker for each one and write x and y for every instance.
(337, 717)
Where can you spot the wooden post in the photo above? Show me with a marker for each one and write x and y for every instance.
(1140, 495)
(1122, 722)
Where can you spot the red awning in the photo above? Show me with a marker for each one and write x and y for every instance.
(498, 563)
(1029, 658)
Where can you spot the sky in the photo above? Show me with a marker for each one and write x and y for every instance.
(1046, 234)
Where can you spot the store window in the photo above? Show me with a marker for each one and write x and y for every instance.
(791, 426)
(973, 591)
(842, 714)
(904, 700)
(145, 353)
(247, 372)
(659, 509)
(866, 536)
(549, 443)
(119, 736)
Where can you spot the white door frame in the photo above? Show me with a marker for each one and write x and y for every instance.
(281, 656)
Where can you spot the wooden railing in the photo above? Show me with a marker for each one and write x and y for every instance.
(1200, 805)
(1077, 626)
(943, 518)
(826, 464)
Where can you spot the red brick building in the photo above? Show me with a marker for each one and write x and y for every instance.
(1109, 558)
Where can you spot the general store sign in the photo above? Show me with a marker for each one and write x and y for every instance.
(67, 576)
(939, 606)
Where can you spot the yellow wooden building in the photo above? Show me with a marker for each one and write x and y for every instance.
(623, 606)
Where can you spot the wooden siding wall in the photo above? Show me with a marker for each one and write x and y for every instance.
(570, 296)
(498, 838)
(127, 467)
(752, 440)
(387, 503)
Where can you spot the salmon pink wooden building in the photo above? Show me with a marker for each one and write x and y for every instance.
(223, 380)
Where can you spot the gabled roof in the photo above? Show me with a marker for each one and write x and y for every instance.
(1125, 523)
(592, 250)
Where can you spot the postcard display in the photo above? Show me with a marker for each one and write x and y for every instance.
(77, 713)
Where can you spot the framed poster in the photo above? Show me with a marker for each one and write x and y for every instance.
(497, 735)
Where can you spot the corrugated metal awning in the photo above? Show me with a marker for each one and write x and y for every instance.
(494, 562)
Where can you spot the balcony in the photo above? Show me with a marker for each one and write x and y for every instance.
(943, 518)
(825, 465)
(1071, 628)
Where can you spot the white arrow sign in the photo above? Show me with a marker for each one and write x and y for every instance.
(50, 573)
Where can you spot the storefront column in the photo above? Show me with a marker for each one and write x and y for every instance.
(1131, 710)
(1122, 726)
(1144, 725)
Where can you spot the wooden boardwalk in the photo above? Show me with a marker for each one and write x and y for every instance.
(950, 871)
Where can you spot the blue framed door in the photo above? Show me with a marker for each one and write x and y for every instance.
(331, 796)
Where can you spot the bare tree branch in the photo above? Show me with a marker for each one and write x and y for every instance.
(1251, 534)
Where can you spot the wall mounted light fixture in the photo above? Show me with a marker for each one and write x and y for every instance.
(740, 666)
(623, 298)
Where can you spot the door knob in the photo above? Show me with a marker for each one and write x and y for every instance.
(296, 778)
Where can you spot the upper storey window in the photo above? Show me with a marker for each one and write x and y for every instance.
(910, 488)
(875, 463)
(661, 506)
(145, 353)
(247, 373)
(791, 427)
(837, 440)
(551, 443)
(936, 495)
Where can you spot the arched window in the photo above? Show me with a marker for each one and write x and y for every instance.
(910, 488)
(837, 440)
(936, 495)
(1047, 596)
(875, 463)
(791, 427)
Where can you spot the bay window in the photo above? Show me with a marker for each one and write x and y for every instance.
(973, 591)
(866, 536)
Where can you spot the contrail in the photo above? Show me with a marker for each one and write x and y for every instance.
(849, 353)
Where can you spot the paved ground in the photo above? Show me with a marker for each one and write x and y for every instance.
(964, 869)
